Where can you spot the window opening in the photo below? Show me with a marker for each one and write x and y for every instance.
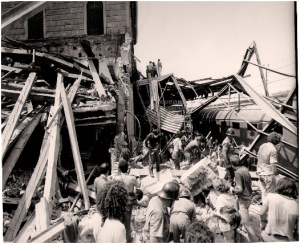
(235, 125)
(36, 26)
(250, 127)
(95, 22)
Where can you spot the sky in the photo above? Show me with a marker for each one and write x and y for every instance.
(196, 39)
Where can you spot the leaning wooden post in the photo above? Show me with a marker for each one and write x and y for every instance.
(15, 114)
(75, 148)
(150, 91)
(51, 175)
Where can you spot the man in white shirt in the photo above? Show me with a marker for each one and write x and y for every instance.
(266, 165)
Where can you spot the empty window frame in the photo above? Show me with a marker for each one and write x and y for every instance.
(36, 26)
(235, 125)
(94, 18)
(250, 127)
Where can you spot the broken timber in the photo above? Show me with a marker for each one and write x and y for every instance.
(18, 148)
(14, 116)
(74, 144)
(42, 218)
(34, 183)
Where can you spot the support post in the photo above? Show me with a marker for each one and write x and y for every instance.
(120, 108)
(151, 91)
(42, 219)
(96, 78)
(51, 175)
(261, 71)
(14, 116)
(181, 94)
(74, 143)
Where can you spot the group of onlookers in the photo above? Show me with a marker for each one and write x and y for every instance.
(171, 213)
(154, 69)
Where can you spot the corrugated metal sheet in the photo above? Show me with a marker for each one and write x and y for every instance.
(169, 122)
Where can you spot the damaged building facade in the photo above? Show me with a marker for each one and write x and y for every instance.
(89, 48)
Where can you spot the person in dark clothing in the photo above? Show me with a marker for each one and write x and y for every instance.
(228, 151)
(154, 70)
(152, 143)
(243, 190)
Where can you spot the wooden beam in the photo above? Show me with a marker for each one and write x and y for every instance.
(18, 148)
(9, 68)
(74, 144)
(274, 71)
(51, 175)
(71, 95)
(13, 118)
(8, 74)
(49, 234)
(26, 231)
(32, 96)
(96, 78)
(181, 94)
(42, 219)
(10, 200)
(35, 181)
(79, 194)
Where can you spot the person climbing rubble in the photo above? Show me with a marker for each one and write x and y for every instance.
(130, 183)
(178, 150)
(152, 143)
(157, 223)
(182, 214)
(159, 65)
(189, 149)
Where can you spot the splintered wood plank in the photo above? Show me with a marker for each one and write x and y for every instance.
(13, 118)
(34, 183)
(26, 231)
(18, 148)
(74, 144)
(180, 93)
(42, 219)
(96, 78)
(104, 70)
(51, 175)
(71, 96)
(49, 234)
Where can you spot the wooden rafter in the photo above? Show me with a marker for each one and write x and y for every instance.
(14, 116)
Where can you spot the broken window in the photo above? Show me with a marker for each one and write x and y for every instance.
(36, 26)
(94, 18)
(235, 125)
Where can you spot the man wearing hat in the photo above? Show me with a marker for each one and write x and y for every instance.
(152, 143)
(228, 151)
(157, 222)
(182, 214)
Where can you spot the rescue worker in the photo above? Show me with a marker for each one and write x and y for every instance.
(157, 222)
(182, 214)
(159, 64)
(130, 182)
(154, 70)
(188, 150)
(243, 190)
(152, 143)
(177, 151)
(266, 165)
(100, 181)
(204, 151)
(228, 151)
(149, 68)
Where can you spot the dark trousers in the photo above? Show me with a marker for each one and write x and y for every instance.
(229, 176)
(127, 219)
(153, 158)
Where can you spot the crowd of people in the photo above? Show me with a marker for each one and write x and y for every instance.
(171, 213)
(154, 69)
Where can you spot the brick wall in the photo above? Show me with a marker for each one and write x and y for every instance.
(66, 19)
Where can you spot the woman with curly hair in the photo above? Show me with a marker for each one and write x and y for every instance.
(107, 226)
(198, 232)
